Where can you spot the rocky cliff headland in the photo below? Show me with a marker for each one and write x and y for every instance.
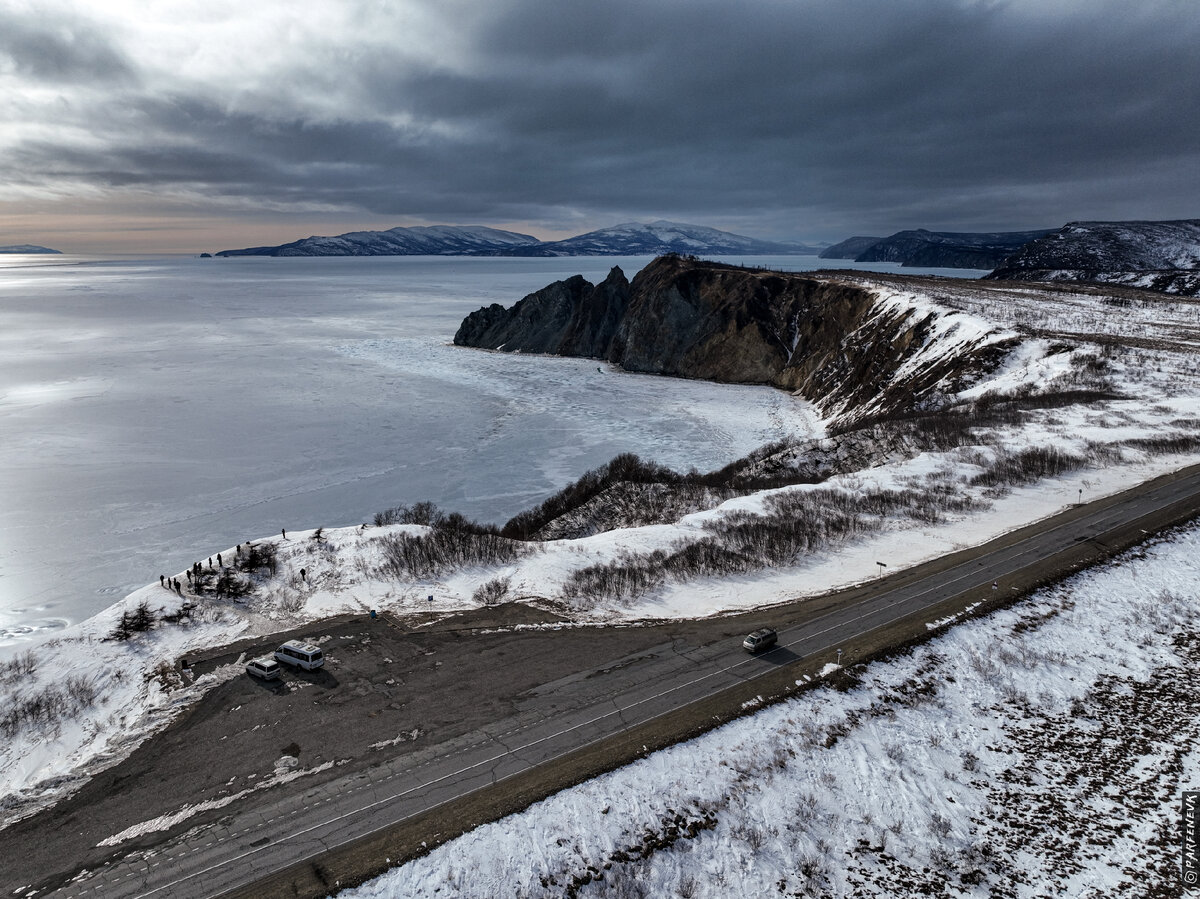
(848, 348)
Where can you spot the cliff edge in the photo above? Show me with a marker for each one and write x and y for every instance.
(853, 351)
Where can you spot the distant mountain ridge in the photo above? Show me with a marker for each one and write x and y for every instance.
(661, 237)
(850, 248)
(434, 240)
(28, 248)
(631, 239)
(1162, 256)
(936, 249)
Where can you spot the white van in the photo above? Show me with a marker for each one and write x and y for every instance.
(266, 668)
(763, 638)
(300, 655)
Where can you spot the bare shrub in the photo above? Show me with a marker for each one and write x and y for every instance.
(183, 613)
(21, 665)
(625, 467)
(169, 679)
(687, 887)
(45, 709)
(425, 513)
(492, 592)
(750, 834)
(1015, 468)
(1166, 444)
(446, 546)
(939, 825)
(795, 523)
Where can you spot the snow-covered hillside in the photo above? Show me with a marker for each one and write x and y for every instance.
(1163, 256)
(656, 238)
(1039, 752)
(632, 239)
(1089, 398)
(435, 240)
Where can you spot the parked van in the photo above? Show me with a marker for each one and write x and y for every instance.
(300, 655)
(266, 668)
(763, 638)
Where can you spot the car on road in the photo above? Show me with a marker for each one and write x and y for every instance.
(266, 668)
(763, 638)
(300, 655)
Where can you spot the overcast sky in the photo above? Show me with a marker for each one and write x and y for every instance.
(171, 125)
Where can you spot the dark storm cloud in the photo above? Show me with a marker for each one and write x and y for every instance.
(809, 118)
(59, 52)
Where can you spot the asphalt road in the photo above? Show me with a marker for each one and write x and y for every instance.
(636, 684)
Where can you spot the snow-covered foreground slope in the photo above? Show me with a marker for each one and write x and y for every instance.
(1040, 751)
(83, 701)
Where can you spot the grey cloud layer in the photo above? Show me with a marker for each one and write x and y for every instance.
(802, 116)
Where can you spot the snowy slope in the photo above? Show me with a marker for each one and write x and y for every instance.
(1040, 751)
(81, 702)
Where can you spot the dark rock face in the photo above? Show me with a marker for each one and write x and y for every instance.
(1162, 256)
(850, 248)
(568, 318)
(948, 250)
(824, 339)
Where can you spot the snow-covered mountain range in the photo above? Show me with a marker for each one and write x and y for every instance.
(631, 239)
(435, 240)
(657, 238)
(1163, 256)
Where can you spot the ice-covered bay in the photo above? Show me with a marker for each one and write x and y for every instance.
(154, 410)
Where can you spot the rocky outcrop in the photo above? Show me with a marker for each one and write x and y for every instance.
(566, 318)
(837, 343)
(932, 249)
(1162, 256)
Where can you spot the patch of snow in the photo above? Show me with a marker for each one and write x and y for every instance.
(285, 772)
(968, 761)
